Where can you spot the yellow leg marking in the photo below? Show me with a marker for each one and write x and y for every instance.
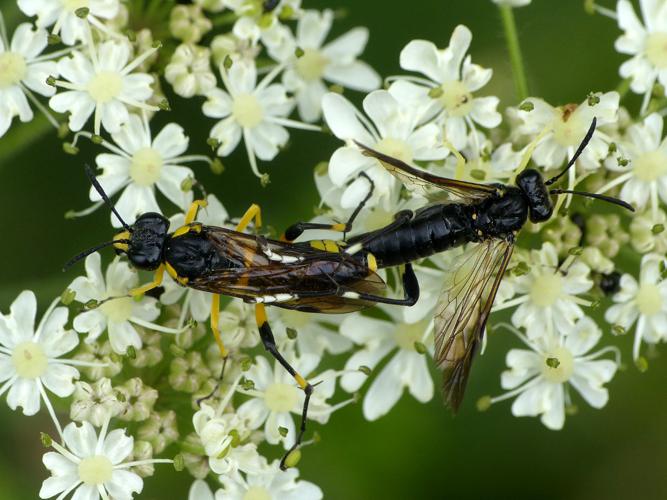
(157, 281)
(192, 211)
(318, 245)
(301, 381)
(123, 235)
(460, 160)
(372, 262)
(215, 321)
(527, 155)
(172, 272)
(192, 228)
(254, 212)
(331, 246)
(260, 314)
(339, 227)
(260, 317)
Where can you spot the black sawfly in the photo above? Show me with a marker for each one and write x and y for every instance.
(326, 276)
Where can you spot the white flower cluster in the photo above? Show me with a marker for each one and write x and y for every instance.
(259, 68)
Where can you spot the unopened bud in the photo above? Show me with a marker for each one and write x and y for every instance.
(420, 347)
(91, 304)
(46, 439)
(68, 296)
(70, 148)
(217, 167)
(593, 99)
(53, 39)
(213, 143)
(96, 139)
(292, 459)
(642, 364)
(552, 362)
(164, 105)
(618, 330)
(484, 403)
(365, 370)
(658, 228)
(527, 106)
(179, 463)
(265, 180)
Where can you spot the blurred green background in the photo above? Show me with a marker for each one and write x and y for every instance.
(417, 451)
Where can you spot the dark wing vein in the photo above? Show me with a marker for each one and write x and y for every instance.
(432, 187)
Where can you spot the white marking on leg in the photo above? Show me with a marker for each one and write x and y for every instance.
(351, 295)
(354, 249)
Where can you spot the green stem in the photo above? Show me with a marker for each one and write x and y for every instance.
(623, 87)
(516, 59)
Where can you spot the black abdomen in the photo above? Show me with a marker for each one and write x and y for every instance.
(432, 230)
(193, 255)
(438, 228)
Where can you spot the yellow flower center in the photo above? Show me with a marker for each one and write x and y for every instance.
(295, 319)
(281, 398)
(146, 167)
(12, 69)
(105, 86)
(456, 98)
(311, 65)
(650, 166)
(378, 218)
(656, 49)
(95, 470)
(406, 334)
(257, 493)
(118, 310)
(568, 128)
(558, 365)
(648, 300)
(247, 110)
(29, 360)
(396, 148)
(546, 289)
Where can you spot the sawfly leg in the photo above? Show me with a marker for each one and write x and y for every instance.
(270, 345)
(296, 230)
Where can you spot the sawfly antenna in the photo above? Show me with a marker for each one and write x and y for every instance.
(582, 146)
(608, 199)
(98, 188)
(86, 253)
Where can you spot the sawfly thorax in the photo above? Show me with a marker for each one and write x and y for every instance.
(537, 195)
(144, 244)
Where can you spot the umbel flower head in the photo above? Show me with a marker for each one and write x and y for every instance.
(30, 358)
(93, 466)
(102, 83)
(23, 70)
(541, 376)
(118, 315)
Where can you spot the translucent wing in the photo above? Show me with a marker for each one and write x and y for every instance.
(307, 279)
(462, 312)
(432, 187)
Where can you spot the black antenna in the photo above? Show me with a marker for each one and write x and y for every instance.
(602, 197)
(576, 156)
(98, 188)
(86, 253)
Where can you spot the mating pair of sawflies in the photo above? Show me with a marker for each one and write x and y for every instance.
(325, 276)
